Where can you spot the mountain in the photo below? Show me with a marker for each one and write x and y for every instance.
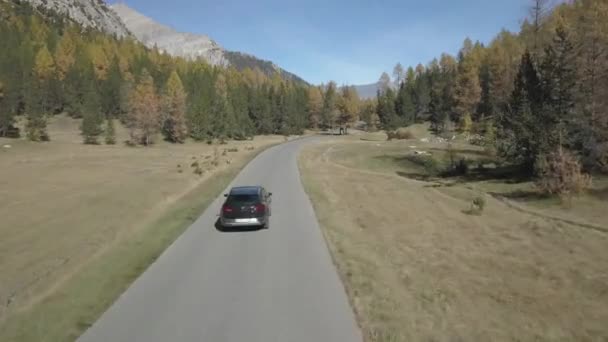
(367, 91)
(192, 46)
(242, 60)
(93, 13)
(187, 45)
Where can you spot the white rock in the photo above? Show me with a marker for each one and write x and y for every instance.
(7, 146)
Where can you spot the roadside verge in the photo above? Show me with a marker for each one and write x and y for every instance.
(80, 300)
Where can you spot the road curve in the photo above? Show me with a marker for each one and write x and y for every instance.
(273, 285)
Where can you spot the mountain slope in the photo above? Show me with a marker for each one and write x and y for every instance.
(187, 45)
(192, 46)
(242, 60)
(367, 91)
(93, 13)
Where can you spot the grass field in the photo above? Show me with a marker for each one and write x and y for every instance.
(79, 223)
(418, 268)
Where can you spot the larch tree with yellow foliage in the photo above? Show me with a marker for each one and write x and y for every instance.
(143, 118)
(44, 71)
(315, 106)
(174, 110)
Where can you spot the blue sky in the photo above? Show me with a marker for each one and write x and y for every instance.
(350, 42)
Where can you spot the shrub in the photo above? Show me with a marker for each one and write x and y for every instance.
(400, 134)
(232, 150)
(466, 123)
(479, 203)
(198, 171)
(195, 164)
(560, 173)
(430, 164)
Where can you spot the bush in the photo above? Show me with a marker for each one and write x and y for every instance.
(232, 150)
(479, 203)
(195, 164)
(400, 134)
(560, 173)
(466, 123)
(198, 171)
(430, 164)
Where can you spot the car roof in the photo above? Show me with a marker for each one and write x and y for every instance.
(245, 190)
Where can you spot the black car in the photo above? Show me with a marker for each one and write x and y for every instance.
(246, 206)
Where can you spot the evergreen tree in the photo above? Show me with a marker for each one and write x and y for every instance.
(398, 74)
(40, 97)
(404, 104)
(559, 85)
(329, 113)
(421, 95)
(92, 118)
(386, 109)
(110, 132)
(521, 134)
(174, 107)
(110, 90)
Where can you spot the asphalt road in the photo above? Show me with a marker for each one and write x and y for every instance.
(273, 285)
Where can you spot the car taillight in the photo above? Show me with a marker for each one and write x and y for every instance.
(227, 209)
(260, 208)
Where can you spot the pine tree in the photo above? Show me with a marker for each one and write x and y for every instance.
(559, 83)
(110, 132)
(521, 132)
(384, 82)
(386, 109)
(92, 118)
(421, 95)
(110, 90)
(174, 107)
(6, 117)
(398, 76)
(330, 101)
(404, 104)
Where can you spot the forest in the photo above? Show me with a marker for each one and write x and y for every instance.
(49, 65)
(538, 98)
(533, 97)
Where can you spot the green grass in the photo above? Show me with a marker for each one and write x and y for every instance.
(68, 312)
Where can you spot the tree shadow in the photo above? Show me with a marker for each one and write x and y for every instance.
(601, 194)
(521, 195)
(220, 228)
(480, 153)
(416, 176)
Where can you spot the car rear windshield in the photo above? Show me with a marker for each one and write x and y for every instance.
(243, 198)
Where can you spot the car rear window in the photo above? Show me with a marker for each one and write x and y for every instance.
(244, 198)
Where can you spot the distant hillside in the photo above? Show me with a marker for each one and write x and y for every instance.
(367, 91)
(187, 45)
(95, 14)
(192, 46)
(242, 60)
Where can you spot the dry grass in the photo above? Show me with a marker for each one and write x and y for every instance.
(64, 204)
(419, 269)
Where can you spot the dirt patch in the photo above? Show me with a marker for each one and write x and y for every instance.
(418, 268)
